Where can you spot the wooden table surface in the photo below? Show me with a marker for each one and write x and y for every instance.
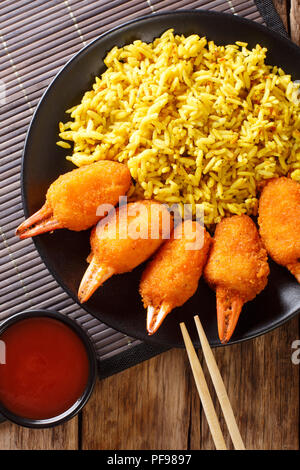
(155, 405)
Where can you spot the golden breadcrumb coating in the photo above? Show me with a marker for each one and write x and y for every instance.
(125, 241)
(237, 261)
(173, 274)
(75, 196)
(279, 222)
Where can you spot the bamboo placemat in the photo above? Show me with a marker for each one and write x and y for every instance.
(37, 39)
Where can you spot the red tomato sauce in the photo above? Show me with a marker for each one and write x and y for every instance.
(46, 368)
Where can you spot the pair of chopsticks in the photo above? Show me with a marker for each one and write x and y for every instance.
(203, 391)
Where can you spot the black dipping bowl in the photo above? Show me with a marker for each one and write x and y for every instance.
(79, 404)
(117, 303)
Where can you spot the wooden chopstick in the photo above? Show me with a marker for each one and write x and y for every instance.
(220, 388)
(203, 391)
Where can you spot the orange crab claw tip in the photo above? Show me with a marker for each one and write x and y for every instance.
(95, 275)
(155, 317)
(47, 226)
(40, 222)
(229, 307)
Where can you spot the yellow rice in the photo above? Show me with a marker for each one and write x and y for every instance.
(196, 123)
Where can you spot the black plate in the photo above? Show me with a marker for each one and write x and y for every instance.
(117, 302)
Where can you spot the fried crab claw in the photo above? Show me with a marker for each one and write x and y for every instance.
(279, 222)
(237, 269)
(172, 276)
(123, 240)
(74, 199)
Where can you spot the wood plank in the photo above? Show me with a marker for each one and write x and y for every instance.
(295, 21)
(282, 9)
(64, 437)
(263, 387)
(145, 407)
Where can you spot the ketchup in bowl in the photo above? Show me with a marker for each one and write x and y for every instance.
(46, 371)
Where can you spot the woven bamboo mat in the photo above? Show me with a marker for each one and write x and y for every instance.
(37, 39)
